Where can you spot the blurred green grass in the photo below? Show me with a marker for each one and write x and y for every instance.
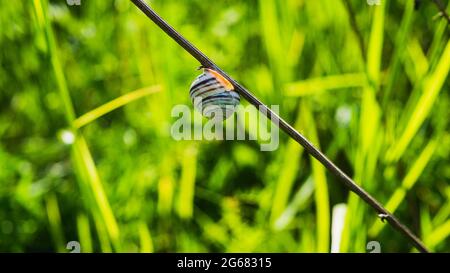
(86, 94)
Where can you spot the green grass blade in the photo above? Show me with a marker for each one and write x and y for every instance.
(408, 182)
(54, 219)
(145, 238)
(369, 135)
(299, 201)
(444, 213)
(418, 66)
(319, 85)
(187, 183)
(41, 11)
(80, 149)
(375, 47)
(286, 178)
(105, 244)
(101, 201)
(431, 88)
(84, 233)
(272, 38)
(114, 104)
(320, 185)
(438, 235)
(166, 187)
(400, 45)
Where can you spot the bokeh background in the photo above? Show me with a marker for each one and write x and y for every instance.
(86, 154)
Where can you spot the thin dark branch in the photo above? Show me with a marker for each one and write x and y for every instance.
(354, 26)
(442, 10)
(286, 127)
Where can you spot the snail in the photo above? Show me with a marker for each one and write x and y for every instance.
(213, 95)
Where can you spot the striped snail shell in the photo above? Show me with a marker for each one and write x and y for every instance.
(213, 95)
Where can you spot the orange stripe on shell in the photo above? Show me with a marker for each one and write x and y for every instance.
(226, 83)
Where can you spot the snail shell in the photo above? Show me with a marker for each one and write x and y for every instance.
(213, 95)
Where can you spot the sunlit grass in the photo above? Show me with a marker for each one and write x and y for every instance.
(316, 86)
(114, 104)
(407, 183)
(115, 180)
(86, 167)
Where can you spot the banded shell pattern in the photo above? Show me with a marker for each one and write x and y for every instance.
(213, 95)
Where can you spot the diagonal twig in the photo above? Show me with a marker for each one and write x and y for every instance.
(286, 127)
